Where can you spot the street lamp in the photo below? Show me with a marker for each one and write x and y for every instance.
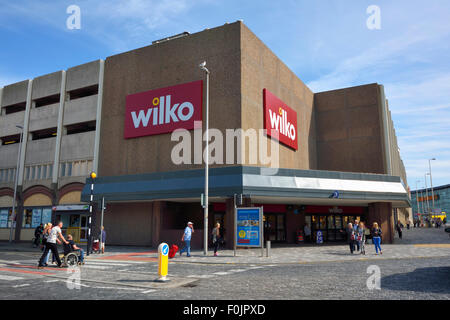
(205, 222)
(431, 181)
(417, 198)
(426, 193)
(93, 175)
(16, 178)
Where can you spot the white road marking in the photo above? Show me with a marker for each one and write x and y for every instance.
(203, 276)
(148, 291)
(221, 273)
(95, 267)
(117, 261)
(21, 285)
(118, 288)
(51, 281)
(107, 264)
(9, 278)
(237, 270)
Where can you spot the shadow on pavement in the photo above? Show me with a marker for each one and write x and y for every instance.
(431, 280)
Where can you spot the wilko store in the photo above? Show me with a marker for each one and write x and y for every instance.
(337, 154)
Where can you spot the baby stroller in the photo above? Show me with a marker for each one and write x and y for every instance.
(96, 246)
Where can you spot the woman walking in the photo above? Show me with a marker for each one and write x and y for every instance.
(216, 238)
(376, 237)
(351, 237)
(361, 237)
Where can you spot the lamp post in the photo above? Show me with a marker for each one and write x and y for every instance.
(417, 198)
(205, 219)
(426, 193)
(93, 175)
(16, 178)
(431, 182)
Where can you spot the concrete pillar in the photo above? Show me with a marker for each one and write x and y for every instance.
(99, 115)
(19, 216)
(156, 215)
(381, 212)
(59, 130)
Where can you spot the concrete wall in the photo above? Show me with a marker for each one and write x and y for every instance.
(78, 146)
(15, 93)
(161, 65)
(349, 130)
(46, 85)
(80, 110)
(82, 76)
(261, 69)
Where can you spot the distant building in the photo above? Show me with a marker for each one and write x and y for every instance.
(424, 197)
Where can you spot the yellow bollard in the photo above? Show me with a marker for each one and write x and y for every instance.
(163, 261)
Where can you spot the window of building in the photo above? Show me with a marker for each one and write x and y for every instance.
(81, 127)
(43, 134)
(63, 170)
(34, 216)
(10, 139)
(18, 107)
(45, 101)
(83, 92)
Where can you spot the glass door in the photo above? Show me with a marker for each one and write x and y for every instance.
(83, 227)
(274, 227)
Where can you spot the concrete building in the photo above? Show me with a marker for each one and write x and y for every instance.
(58, 114)
(422, 203)
(338, 155)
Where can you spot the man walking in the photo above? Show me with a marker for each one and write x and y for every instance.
(355, 228)
(103, 239)
(51, 245)
(186, 238)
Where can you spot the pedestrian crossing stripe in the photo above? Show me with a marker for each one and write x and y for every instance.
(9, 278)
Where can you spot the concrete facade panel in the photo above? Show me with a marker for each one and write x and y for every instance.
(8, 123)
(82, 76)
(40, 151)
(77, 146)
(15, 93)
(80, 110)
(46, 85)
(44, 117)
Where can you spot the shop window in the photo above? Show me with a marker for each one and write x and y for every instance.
(27, 215)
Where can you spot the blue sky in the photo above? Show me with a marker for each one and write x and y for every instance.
(325, 42)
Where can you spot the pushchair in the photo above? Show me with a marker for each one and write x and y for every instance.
(96, 246)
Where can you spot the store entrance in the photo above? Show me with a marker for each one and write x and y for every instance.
(274, 227)
(331, 226)
(75, 224)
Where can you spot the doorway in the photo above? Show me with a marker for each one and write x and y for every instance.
(274, 227)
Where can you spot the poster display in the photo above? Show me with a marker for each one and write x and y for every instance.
(46, 215)
(249, 224)
(36, 218)
(4, 218)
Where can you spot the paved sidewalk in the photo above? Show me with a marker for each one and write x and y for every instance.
(416, 243)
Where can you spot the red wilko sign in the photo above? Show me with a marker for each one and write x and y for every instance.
(278, 116)
(163, 110)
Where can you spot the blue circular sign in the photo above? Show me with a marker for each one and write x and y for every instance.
(165, 249)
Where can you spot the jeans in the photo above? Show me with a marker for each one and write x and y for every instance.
(352, 245)
(81, 255)
(187, 247)
(216, 245)
(376, 242)
(54, 249)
